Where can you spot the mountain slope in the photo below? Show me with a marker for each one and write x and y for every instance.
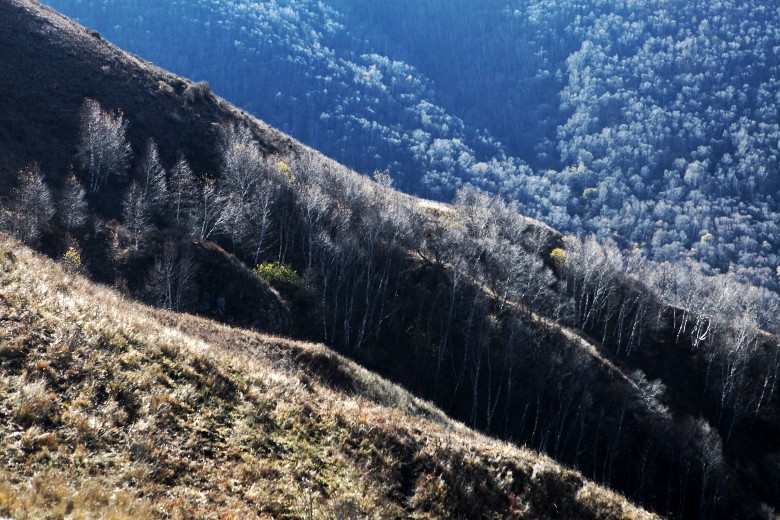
(654, 380)
(654, 123)
(39, 122)
(108, 406)
(40, 104)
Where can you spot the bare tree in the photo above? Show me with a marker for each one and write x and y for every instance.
(708, 452)
(72, 207)
(241, 160)
(171, 280)
(151, 176)
(136, 212)
(103, 146)
(258, 219)
(210, 211)
(183, 192)
(31, 205)
(313, 206)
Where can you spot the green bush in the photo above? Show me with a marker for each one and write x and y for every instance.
(280, 276)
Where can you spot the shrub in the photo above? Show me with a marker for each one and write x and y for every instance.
(558, 254)
(165, 88)
(196, 91)
(72, 259)
(280, 276)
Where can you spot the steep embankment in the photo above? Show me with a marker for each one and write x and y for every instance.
(113, 408)
(50, 64)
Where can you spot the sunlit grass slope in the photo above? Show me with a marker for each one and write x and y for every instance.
(109, 409)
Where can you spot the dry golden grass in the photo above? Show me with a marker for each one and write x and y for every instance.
(115, 410)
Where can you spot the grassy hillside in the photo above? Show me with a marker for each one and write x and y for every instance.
(119, 410)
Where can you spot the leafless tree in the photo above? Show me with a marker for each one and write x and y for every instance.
(257, 221)
(152, 177)
(183, 193)
(171, 281)
(72, 207)
(136, 212)
(242, 160)
(210, 211)
(708, 453)
(31, 205)
(103, 146)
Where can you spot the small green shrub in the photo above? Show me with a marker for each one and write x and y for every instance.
(280, 276)
(558, 255)
(590, 193)
(72, 259)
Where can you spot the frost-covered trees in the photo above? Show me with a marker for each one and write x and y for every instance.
(103, 147)
(654, 124)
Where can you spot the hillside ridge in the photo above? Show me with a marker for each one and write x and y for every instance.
(112, 407)
(652, 379)
(31, 32)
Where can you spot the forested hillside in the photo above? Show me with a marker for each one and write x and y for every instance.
(650, 378)
(652, 122)
(115, 410)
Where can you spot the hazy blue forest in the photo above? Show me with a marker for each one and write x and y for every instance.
(652, 122)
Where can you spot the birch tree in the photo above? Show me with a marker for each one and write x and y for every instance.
(171, 281)
(209, 209)
(136, 212)
(103, 147)
(183, 193)
(32, 206)
(151, 177)
(72, 207)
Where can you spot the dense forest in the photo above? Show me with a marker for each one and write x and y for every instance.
(654, 123)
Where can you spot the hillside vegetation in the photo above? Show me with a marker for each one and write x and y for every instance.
(120, 411)
(652, 122)
(652, 379)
